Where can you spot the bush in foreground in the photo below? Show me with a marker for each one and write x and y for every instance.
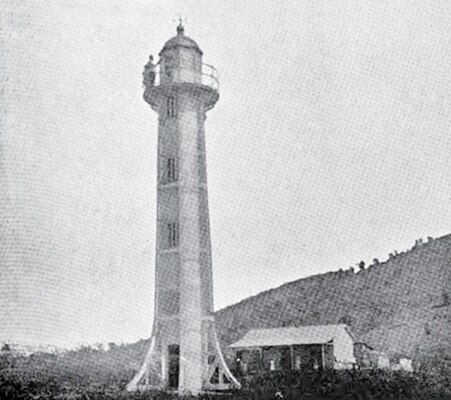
(47, 382)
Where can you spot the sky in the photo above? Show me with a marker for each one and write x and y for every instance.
(330, 144)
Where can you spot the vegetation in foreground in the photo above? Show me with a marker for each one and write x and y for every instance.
(45, 376)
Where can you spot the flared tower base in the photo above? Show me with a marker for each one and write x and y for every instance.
(163, 369)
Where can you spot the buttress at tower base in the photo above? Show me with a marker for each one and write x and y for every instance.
(160, 369)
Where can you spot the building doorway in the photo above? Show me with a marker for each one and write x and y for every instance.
(174, 365)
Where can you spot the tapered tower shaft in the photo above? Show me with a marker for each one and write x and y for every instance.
(184, 352)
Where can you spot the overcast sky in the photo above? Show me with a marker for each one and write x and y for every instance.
(330, 144)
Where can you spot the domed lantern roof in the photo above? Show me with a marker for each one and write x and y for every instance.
(181, 41)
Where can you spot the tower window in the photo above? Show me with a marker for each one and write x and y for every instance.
(173, 234)
(171, 170)
(173, 349)
(171, 107)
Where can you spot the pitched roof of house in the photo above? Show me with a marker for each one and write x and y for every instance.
(315, 334)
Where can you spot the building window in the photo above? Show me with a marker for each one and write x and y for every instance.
(171, 107)
(173, 234)
(171, 170)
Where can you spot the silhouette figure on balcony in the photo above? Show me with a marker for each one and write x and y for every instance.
(149, 73)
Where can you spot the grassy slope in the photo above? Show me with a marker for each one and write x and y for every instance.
(401, 306)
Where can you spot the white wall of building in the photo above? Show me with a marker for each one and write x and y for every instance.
(343, 349)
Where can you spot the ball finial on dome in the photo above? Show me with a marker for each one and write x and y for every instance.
(180, 28)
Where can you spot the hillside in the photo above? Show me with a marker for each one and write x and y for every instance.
(401, 306)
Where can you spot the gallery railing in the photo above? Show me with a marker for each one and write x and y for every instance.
(208, 76)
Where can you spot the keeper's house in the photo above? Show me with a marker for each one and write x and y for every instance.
(298, 348)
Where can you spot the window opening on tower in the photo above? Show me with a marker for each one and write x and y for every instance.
(171, 107)
(173, 234)
(171, 170)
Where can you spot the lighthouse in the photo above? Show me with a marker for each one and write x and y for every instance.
(184, 353)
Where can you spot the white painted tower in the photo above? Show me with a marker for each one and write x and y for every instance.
(184, 353)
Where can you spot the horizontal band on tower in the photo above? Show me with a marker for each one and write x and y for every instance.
(163, 186)
(175, 317)
(176, 250)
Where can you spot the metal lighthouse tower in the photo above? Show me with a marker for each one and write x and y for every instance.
(184, 353)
